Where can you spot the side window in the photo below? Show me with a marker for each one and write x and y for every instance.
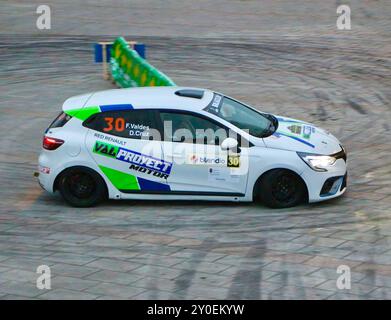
(131, 124)
(190, 128)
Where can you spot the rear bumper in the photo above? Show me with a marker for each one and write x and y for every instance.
(45, 182)
(45, 174)
(36, 175)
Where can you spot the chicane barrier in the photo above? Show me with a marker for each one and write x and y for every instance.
(102, 54)
(129, 69)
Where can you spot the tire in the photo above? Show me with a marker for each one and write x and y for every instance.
(82, 187)
(281, 188)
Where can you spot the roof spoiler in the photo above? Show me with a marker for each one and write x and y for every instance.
(190, 93)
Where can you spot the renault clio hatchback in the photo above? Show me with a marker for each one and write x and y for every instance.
(179, 143)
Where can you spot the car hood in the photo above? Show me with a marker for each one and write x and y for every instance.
(296, 135)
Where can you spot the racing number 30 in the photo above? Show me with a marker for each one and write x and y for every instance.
(233, 161)
(118, 124)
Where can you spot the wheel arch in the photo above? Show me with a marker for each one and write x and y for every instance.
(86, 168)
(256, 191)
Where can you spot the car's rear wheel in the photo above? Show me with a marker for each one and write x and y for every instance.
(281, 188)
(81, 187)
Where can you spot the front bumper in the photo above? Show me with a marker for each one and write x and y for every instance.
(333, 185)
(326, 185)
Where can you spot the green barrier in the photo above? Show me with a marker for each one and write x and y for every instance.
(128, 69)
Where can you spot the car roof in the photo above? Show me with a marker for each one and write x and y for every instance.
(181, 98)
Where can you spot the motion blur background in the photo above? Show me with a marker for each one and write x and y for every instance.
(284, 57)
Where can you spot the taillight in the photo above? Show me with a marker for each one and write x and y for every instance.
(50, 143)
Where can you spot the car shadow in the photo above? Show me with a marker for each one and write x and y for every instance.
(56, 201)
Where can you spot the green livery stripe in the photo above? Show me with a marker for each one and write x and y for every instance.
(83, 113)
(121, 180)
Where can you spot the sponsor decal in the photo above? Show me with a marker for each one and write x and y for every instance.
(149, 171)
(106, 149)
(193, 158)
(303, 130)
(216, 101)
(216, 175)
(307, 130)
(110, 139)
(295, 129)
(214, 107)
(139, 162)
(207, 160)
(45, 170)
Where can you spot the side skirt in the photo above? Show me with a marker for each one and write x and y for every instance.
(181, 196)
(186, 193)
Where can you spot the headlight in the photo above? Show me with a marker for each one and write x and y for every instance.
(317, 162)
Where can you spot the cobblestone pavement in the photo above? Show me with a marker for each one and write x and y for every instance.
(181, 250)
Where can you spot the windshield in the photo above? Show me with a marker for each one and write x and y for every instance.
(256, 123)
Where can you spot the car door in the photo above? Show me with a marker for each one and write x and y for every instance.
(199, 165)
(120, 143)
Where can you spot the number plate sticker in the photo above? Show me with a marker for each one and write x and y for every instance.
(233, 161)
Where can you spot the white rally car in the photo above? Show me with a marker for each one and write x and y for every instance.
(188, 144)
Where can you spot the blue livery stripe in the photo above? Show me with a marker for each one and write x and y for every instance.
(148, 185)
(116, 107)
(295, 138)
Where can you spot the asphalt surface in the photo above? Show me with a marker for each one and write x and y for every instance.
(289, 65)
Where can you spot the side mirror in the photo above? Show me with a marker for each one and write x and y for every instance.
(229, 144)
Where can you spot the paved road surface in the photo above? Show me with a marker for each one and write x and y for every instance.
(158, 250)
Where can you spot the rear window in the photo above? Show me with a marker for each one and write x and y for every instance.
(60, 120)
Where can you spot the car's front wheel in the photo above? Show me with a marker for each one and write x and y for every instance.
(81, 187)
(281, 188)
